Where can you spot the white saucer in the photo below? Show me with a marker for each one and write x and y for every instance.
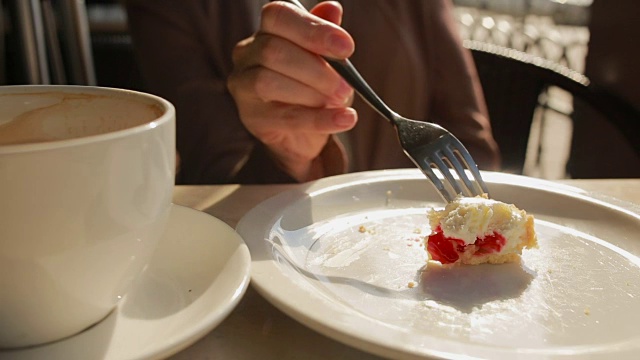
(197, 276)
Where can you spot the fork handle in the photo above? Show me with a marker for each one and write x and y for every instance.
(346, 69)
(353, 77)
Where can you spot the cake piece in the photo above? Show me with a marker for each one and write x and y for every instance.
(476, 230)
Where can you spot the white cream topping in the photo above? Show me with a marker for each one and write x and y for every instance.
(467, 218)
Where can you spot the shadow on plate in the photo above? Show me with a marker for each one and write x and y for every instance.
(462, 287)
(469, 287)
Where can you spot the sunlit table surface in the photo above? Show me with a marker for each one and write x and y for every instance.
(256, 329)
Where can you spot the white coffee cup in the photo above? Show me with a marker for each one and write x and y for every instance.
(86, 180)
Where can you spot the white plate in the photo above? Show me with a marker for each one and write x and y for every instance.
(197, 276)
(342, 256)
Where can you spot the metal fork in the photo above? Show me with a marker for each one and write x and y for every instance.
(426, 144)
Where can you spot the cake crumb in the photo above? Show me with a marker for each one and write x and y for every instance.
(411, 284)
(417, 231)
(388, 198)
(587, 311)
(362, 229)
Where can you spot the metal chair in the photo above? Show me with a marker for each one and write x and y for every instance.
(513, 81)
(35, 53)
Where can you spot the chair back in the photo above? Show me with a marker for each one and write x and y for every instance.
(513, 81)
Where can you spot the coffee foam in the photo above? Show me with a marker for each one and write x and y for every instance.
(53, 116)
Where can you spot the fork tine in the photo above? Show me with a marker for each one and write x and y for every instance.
(435, 180)
(455, 162)
(472, 167)
(436, 159)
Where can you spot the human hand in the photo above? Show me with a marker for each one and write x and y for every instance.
(287, 96)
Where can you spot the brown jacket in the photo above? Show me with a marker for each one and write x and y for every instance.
(409, 52)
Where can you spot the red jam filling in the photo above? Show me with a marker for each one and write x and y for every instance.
(444, 249)
(447, 250)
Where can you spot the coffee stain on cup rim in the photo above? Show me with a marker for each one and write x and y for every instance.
(26, 131)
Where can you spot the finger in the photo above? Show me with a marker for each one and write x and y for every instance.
(284, 57)
(267, 85)
(241, 50)
(311, 120)
(306, 30)
(329, 10)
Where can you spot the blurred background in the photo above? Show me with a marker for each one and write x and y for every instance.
(554, 30)
(87, 43)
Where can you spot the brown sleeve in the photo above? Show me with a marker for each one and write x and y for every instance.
(457, 98)
(332, 158)
(184, 52)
